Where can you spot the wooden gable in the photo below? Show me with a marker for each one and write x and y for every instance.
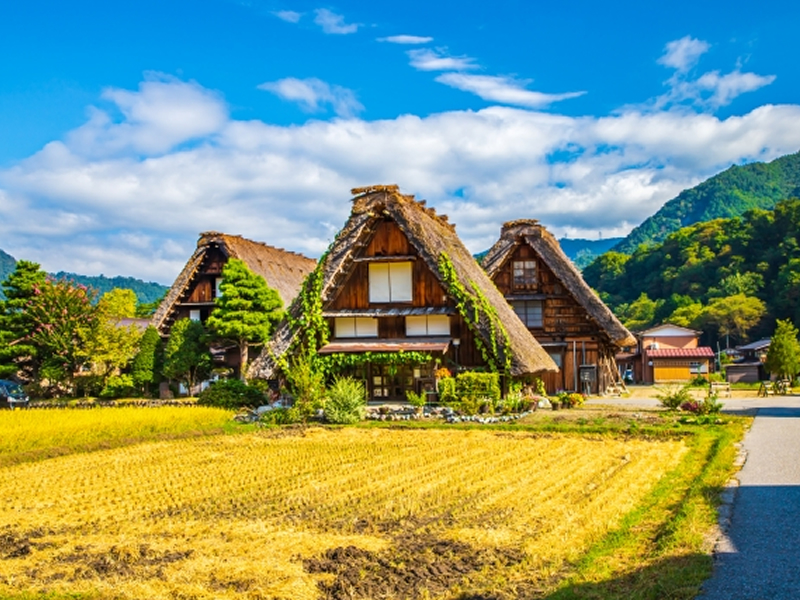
(562, 314)
(391, 243)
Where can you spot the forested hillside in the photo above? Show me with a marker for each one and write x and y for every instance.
(728, 194)
(702, 274)
(146, 291)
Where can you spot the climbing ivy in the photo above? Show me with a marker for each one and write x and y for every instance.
(472, 306)
(339, 362)
(310, 329)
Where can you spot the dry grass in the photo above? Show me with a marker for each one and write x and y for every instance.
(247, 515)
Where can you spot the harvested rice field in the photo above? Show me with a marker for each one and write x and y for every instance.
(321, 513)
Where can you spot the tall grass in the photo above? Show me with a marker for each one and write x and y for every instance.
(34, 434)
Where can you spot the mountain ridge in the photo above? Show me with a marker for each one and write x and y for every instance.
(730, 193)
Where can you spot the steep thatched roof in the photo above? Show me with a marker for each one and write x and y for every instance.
(529, 231)
(431, 235)
(283, 271)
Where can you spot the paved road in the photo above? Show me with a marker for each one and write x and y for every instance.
(760, 557)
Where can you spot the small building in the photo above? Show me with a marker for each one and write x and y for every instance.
(398, 279)
(575, 327)
(193, 293)
(749, 368)
(669, 353)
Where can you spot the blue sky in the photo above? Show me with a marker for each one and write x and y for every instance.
(129, 127)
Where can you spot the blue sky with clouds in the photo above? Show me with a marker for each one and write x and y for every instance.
(129, 127)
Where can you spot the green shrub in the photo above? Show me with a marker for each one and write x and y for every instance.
(673, 397)
(231, 394)
(118, 386)
(415, 399)
(307, 387)
(474, 385)
(347, 401)
(280, 416)
(447, 391)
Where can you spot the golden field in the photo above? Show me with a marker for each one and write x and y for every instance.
(319, 513)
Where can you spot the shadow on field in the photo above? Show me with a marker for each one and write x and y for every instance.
(676, 578)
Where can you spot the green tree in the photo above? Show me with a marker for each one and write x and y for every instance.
(735, 315)
(783, 356)
(186, 356)
(246, 311)
(17, 353)
(639, 314)
(62, 314)
(148, 362)
(688, 315)
(108, 345)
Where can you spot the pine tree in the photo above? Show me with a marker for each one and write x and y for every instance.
(783, 356)
(246, 311)
(18, 355)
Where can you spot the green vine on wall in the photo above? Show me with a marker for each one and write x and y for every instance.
(339, 362)
(472, 306)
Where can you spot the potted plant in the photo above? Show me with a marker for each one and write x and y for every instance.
(418, 401)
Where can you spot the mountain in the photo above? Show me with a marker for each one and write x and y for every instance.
(7, 263)
(146, 291)
(728, 194)
(582, 252)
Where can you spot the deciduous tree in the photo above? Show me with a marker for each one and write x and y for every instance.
(186, 356)
(783, 356)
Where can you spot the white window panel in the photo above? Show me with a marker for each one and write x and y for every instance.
(345, 327)
(217, 289)
(366, 327)
(379, 288)
(390, 282)
(400, 280)
(351, 327)
(194, 314)
(428, 325)
(416, 326)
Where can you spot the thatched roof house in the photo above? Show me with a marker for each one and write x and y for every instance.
(193, 293)
(386, 227)
(564, 314)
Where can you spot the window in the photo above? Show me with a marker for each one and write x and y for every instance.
(428, 325)
(529, 312)
(390, 282)
(524, 274)
(556, 356)
(194, 314)
(351, 327)
(217, 289)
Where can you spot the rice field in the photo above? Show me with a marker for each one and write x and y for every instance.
(35, 434)
(320, 513)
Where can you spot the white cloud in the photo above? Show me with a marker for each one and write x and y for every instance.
(120, 212)
(314, 94)
(709, 91)
(505, 90)
(333, 23)
(724, 88)
(289, 16)
(165, 112)
(684, 53)
(406, 39)
(425, 59)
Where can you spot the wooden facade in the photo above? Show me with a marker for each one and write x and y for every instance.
(384, 289)
(548, 294)
(389, 244)
(193, 294)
